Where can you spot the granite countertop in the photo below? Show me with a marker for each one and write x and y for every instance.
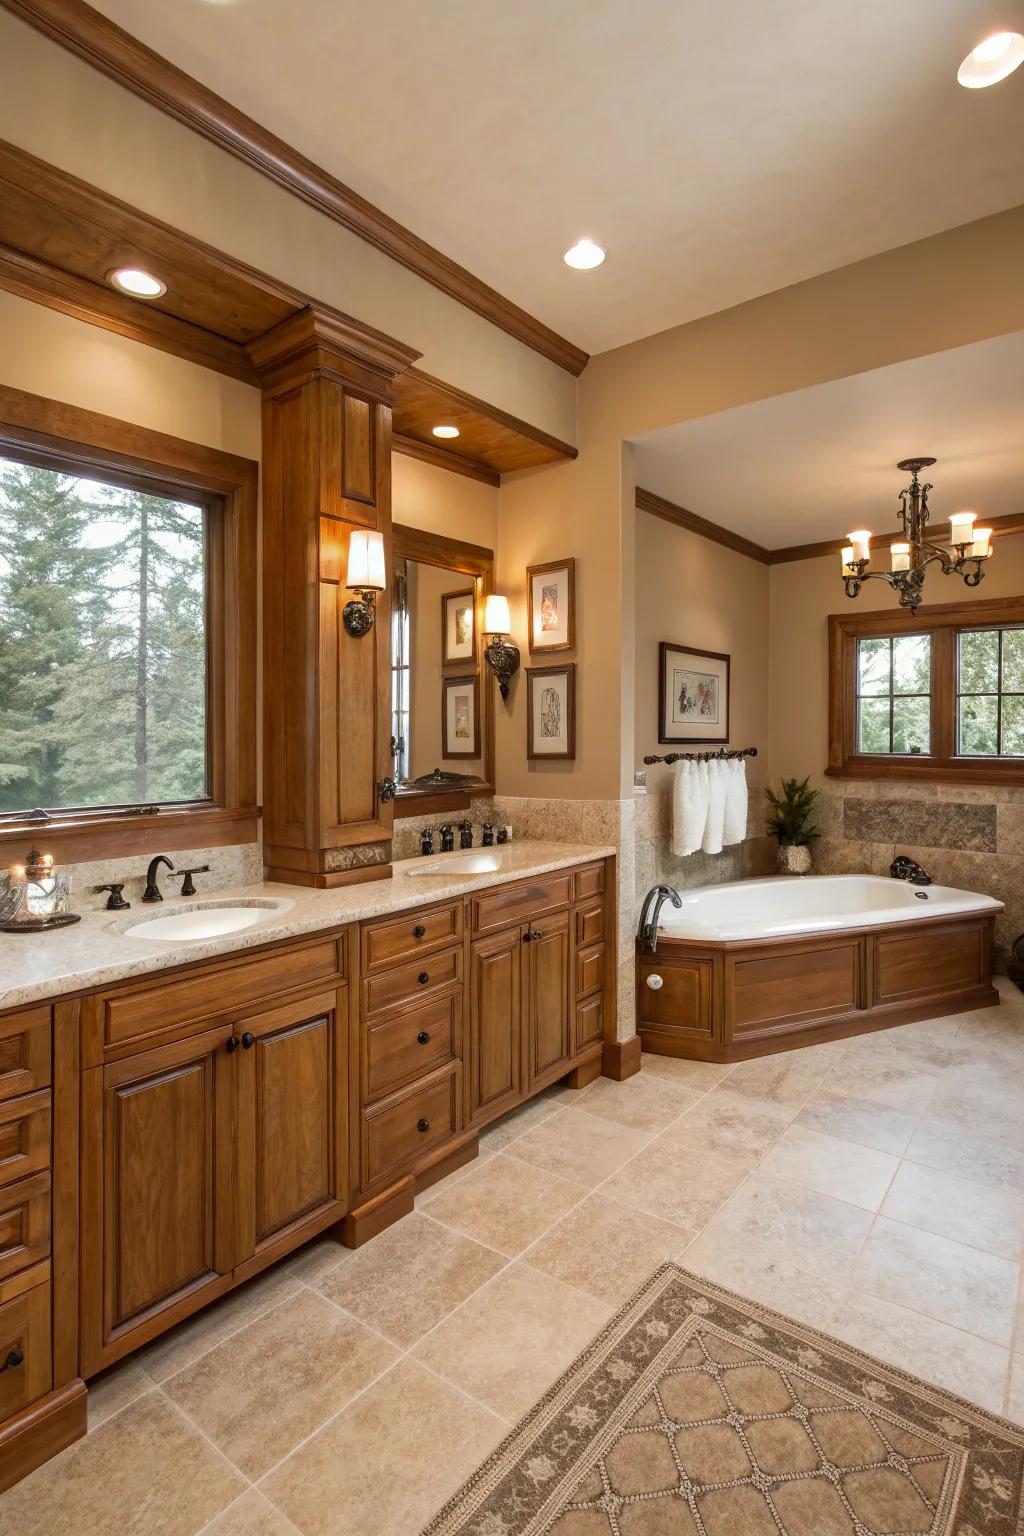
(97, 951)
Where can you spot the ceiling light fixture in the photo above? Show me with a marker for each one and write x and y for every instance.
(584, 255)
(140, 284)
(910, 556)
(993, 59)
(445, 431)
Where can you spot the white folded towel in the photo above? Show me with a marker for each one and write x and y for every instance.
(689, 808)
(713, 826)
(735, 824)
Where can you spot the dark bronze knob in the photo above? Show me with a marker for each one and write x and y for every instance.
(423, 1038)
(14, 1359)
(532, 933)
(248, 1040)
(418, 931)
(232, 1046)
(423, 978)
(423, 1125)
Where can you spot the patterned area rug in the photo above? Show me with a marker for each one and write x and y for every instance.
(697, 1413)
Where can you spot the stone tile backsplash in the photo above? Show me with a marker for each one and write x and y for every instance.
(929, 823)
(241, 864)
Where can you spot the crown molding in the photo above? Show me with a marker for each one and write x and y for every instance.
(443, 458)
(91, 36)
(658, 506)
(326, 343)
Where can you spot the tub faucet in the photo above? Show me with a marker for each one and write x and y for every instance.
(649, 923)
(909, 869)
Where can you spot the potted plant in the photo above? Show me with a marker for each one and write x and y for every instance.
(789, 818)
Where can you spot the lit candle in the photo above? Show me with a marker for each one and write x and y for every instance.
(960, 525)
(847, 559)
(900, 556)
(981, 546)
(861, 541)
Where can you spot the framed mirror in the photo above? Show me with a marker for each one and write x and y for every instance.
(442, 696)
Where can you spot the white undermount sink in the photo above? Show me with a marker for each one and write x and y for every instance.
(482, 862)
(204, 920)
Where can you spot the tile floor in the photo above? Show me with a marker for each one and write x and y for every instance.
(874, 1188)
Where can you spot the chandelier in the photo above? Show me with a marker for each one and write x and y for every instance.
(911, 556)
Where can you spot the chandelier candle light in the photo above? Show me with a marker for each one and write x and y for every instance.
(910, 557)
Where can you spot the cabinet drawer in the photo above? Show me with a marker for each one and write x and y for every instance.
(590, 923)
(589, 1022)
(588, 882)
(514, 903)
(24, 1224)
(24, 1136)
(408, 1045)
(26, 1371)
(24, 1052)
(589, 970)
(416, 933)
(409, 983)
(401, 1130)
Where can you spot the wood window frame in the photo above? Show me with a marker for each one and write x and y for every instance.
(58, 436)
(943, 622)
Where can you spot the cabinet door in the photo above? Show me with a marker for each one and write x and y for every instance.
(546, 952)
(157, 1192)
(495, 1025)
(291, 1120)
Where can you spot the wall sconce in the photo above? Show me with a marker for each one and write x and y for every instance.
(500, 654)
(365, 576)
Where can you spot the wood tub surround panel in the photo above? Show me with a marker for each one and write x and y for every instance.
(727, 1001)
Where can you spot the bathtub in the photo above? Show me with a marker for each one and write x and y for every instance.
(763, 965)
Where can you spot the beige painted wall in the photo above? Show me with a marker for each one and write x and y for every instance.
(439, 502)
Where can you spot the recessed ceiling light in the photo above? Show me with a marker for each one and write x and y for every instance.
(446, 431)
(993, 59)
(584, 255)
(141, 285)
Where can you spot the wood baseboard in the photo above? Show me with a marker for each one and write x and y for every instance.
(378, 1212)
(445, 1161)
(40, 1431)
(621, 1058)
(585, 1073)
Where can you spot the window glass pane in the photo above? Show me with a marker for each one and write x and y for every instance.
(1013, 660)
(102, 644)
(873, 674)
(1013, 726)
(979, 726)
(911, 721)
(911, 663)
(979, 661)
(873, 726)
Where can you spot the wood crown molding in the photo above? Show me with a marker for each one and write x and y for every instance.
(91, 36)
(317, 340)
(1013, 522)
(443, 458)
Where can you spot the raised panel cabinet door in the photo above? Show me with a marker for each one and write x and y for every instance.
(495, 1025)
(291, 1119)
(546, 956)
(156, 1189)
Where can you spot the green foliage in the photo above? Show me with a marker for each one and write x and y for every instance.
(789, 816)
(102, 644)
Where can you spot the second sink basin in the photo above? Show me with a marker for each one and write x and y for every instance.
(481, 862)
(204, 920)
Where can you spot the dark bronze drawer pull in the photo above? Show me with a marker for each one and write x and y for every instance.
(422, 1038)
(533, 933)
(422, 1125)
(423, 978)
(248, 1040)
(418, 931)
(14, 1359)
(231, 1046)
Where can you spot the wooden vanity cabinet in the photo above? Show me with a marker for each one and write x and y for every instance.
(494, 1050)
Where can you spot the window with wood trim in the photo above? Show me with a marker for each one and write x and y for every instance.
(935, 695)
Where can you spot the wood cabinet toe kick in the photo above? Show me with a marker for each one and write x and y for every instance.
(163, 1139)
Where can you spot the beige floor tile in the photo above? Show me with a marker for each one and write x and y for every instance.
(146, 1472)
(607, 1248)
(437, 1268)
(385, 1465)
(578, 1146)
(1015, 1393)
(961, 1362)
(676, 1069)
(786, 1080)
(451, 1179)
(970, 1155)
(510, 1340)
(968, 1101)
(845, 1169)
(644, 1102)
(506, 1204)
(955, 1284)
(515, 1124)
(207, 1329)
(969, 1213)
(260, 1393)
(913, 1050)
(723, 1121)
(677, 1182)
(317, 1259)
(114, 1390)
(905, 1088)
(774, 1281)
(251, 1515)
(861, 1120)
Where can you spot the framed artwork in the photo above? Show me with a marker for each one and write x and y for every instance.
(458, 627)
(551, 592)
(460, 717)
(693, 697)
(551, 711)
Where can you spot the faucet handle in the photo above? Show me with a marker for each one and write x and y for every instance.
(188, 884)
(115, 901)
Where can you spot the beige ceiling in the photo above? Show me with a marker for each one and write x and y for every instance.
(813, 464)
(719, 149)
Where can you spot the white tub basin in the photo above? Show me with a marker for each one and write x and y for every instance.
(482, 862)
(204, 920)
